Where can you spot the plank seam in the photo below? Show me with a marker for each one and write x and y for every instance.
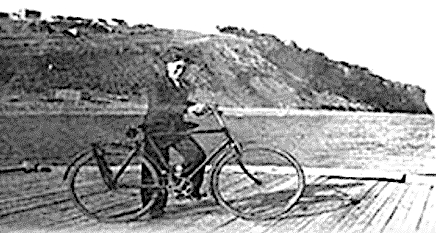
(424, 208)
(395, 210)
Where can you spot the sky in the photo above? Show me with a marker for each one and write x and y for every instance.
(394, 39)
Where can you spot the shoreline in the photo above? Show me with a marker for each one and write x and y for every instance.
(237, 112)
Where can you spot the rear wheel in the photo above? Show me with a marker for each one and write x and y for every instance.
(134, 194)
(258, 184)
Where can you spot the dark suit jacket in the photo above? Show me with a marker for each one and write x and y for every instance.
(166, 106)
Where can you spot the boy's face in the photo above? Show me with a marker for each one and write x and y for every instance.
(175, 71)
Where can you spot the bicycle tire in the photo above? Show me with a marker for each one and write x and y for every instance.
(218, 169)
(72, 180)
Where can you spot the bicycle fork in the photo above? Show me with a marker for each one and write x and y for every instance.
(238, 148)
(102, 164)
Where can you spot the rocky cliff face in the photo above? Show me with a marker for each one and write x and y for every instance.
(235, 68)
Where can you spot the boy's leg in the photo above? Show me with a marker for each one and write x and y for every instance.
(193, 156)
(158, 207)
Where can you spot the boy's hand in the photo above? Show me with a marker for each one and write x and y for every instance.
(197, 109)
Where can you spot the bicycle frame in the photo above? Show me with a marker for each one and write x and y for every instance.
(226, 144)
(149, 181)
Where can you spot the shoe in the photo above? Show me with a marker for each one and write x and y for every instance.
(157, 210)
(198, 196)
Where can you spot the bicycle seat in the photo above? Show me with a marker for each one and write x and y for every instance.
(187, 125)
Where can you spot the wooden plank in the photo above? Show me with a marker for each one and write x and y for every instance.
(325, 217)
(297, 217)
(336, 172)
(428, 223)
(195, 219)
(50, 209)
(356, 173)
(199, 216)
(379, 219)
(68, 216)
(231, 222)
(240, 225)
(341, 221)
(357, 213)
(34, 205)
(386, 198)
(399, 216)
(40, 198)
(206, 216)
(416, 211)
(28, 198)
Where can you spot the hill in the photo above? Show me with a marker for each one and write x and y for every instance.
(235, 68)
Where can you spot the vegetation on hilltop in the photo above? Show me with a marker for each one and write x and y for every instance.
(354, 83)
(248, 69)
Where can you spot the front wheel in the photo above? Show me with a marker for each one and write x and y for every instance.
(128, 200)
(257, 184)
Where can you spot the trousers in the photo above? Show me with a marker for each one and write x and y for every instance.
(193, 157)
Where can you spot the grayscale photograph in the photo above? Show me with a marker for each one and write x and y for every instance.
(217, 116)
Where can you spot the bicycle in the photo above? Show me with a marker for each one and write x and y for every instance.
(227, 159)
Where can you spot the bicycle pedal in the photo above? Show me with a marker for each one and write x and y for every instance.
(199, 196)
(182, 197)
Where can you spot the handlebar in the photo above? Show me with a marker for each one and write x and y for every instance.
(214, 110)
(132, 131)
